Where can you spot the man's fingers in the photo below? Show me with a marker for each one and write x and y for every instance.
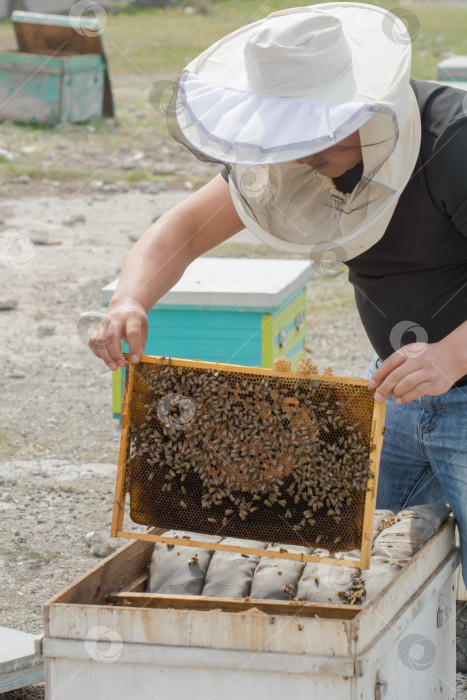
(409, 382)
(415, 393)
(135, 337)
(98, 336)
(388, 366)
(126, 322)
(105, 343)
(388, 385)
(114, 347)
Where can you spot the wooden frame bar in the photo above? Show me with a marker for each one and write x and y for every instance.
(377, 431)
(200, 602)
(370, 499)
(119, 501)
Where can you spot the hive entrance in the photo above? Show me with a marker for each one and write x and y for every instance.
(250, 453)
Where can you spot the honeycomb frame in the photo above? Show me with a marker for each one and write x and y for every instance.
(302, 405)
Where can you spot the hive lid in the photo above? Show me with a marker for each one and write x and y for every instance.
(248, 282)
(41, 33)
(453, 68)
(17, 657)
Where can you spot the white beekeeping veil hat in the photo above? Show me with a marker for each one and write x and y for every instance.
(294, 84)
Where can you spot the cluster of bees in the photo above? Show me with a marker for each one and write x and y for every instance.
(355, 594)
(235, 448)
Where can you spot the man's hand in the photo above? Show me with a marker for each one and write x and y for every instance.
(124, 321)
(419, 369)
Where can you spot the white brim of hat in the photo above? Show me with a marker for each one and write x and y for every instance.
(242, 127)
(223, 117)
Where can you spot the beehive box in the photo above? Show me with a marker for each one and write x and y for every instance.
(274, 455)
(59, 73)
(453, 69)
(233, 310)
(104, 638)
(50, 90)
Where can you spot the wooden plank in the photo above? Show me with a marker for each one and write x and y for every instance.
(114, 573)
(204, 628)
(278, 668)
(406, 583)
(139, 584)
(272, 554)
(269, 607)
(393, 631)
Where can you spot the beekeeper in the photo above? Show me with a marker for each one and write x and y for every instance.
(330, 151)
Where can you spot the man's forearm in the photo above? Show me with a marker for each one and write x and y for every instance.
(156, 262)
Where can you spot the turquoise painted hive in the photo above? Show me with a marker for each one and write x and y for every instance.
(58, 74)
(50, 90)
(244, 311)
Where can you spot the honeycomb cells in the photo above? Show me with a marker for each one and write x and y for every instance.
(249, 455)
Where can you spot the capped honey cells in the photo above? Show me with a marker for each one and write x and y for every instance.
(261, 455)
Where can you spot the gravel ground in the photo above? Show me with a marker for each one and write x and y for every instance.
(58, 440)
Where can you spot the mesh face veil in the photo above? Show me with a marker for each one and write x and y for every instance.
(232, 106)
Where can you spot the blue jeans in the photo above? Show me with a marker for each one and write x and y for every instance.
(424, 455)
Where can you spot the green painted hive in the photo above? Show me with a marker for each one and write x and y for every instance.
(240, 311)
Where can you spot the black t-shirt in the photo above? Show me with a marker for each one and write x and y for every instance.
(417, 272)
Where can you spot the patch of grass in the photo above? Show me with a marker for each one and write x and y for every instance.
(53, 556)
(163, 41)
(5, 448)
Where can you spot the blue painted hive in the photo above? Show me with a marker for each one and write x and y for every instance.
(244, 311)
